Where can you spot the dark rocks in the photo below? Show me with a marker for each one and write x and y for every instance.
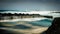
(5, 32)
(55, 27)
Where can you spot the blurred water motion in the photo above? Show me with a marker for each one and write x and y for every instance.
(30, 27)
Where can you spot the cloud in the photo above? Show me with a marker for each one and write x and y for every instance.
(41, 5)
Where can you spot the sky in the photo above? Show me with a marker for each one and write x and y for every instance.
(30, 5)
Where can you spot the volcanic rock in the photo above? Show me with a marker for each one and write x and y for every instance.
(55, 27)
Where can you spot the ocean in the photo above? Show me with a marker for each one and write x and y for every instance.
(28, 26)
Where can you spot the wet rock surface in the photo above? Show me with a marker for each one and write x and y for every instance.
(5, 32)
(55, 27)
(2, 31)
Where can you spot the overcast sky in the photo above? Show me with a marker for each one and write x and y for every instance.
(31, 5)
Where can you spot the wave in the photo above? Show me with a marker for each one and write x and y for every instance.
(44, 22)
(21, 27)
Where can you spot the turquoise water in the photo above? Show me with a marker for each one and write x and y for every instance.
(44, 22)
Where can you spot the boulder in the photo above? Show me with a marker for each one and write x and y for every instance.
(55, 27)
